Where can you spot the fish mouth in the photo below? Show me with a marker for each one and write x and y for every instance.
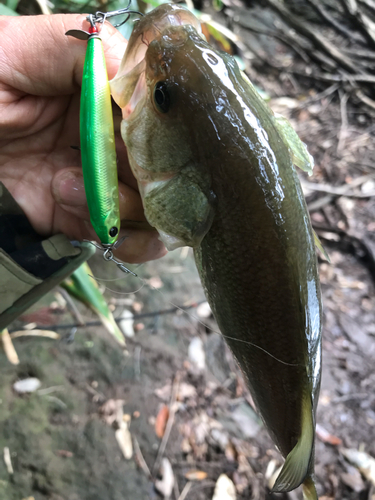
(128, 87)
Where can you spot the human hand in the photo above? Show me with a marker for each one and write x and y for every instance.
(40, 77)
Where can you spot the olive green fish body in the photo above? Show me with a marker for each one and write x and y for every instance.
(215, 171)
(98, 145)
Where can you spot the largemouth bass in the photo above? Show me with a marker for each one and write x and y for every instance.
(215, 171)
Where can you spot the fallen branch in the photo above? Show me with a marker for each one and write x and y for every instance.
(140, 459)
(9, 349)
(302, 27)
(168, 428)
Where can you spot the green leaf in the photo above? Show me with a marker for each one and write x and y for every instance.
(6, 11)
(83, 287)
(12, 4)
(217, 5)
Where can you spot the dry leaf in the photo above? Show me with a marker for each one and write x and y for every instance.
(27, 385)
(204, 310)
(124, 440)
(363, 461)
(9, 349)
(111, 411)
(186, 391)
(126, 323)
(164, 392)
(161, 421)
(224, 489)
(326, 437)
(64, 453)
(353, 479)
(196, 353)
(166, 483)
(155, 282)
(195, 475)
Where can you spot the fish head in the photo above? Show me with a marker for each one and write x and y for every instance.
(164, 87)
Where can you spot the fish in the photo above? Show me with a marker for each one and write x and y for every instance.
(216, 172)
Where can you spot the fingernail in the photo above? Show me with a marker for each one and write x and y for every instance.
(68, 189)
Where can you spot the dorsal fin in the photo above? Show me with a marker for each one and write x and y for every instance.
(297, 149)
(297, 464)
(320, 247)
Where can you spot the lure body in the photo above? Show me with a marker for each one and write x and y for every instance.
(98, 150)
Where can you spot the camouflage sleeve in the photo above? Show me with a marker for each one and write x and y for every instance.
(30, 265)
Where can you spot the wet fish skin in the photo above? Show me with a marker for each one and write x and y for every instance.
(215, 173)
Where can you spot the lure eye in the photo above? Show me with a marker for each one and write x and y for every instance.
(113, 231)
(161, 97)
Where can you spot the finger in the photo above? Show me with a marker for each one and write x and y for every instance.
(68, 190)
(39, 59)
(140, 246)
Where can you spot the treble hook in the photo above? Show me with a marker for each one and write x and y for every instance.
(101, 17)
(108, 255)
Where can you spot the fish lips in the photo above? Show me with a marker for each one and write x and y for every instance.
(128, 87)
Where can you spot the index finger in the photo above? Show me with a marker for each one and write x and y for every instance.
(36, 57)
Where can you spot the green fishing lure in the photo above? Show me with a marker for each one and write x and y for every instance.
(98, 150)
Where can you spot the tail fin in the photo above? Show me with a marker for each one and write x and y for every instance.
(297, 463)
(309, 491)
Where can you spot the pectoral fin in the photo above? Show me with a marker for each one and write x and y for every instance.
(297, 463)
(297, 149)
(320, 247)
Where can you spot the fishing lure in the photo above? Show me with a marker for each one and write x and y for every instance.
(98, 150)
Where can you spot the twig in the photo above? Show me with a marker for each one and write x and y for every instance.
(363, 22)
(344, 122)
(358, 246)
(319, 7)
(176, 489)
(185, 491)
(137, 362)
(349, 397)
(317, 38)
(140, 459)
(135, 318)
(71, 306)
(316, 205)
(365, 99)
(344, 77)
(341, 190)
(168, 427)
(8, 461)
(321, 95)
(35, 333)
(9, 349)
(44, 7)
(369, 3)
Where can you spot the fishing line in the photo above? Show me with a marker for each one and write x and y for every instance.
(191, 316)
(261, 348)
(124, 293)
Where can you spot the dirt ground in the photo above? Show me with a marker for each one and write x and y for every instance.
(62, 438)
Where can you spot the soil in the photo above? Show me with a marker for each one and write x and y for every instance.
(61, 441)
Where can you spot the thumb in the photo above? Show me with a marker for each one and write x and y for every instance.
(36, 57)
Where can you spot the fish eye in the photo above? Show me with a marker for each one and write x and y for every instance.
(161, 97)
